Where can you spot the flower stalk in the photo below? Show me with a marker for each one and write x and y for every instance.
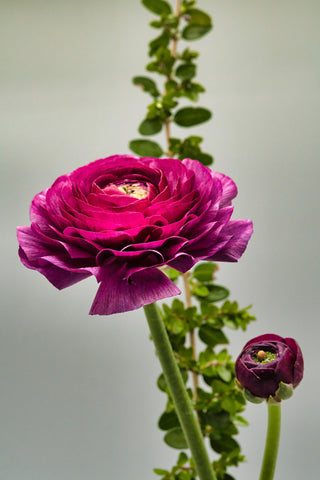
(272, 442)
(188, 421)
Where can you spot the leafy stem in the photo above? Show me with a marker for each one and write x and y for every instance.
(192, 334)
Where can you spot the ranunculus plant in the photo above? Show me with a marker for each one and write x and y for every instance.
(144, 225)
(122, 217)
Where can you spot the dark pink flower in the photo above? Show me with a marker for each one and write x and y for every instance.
(122, 217)
(267, 360)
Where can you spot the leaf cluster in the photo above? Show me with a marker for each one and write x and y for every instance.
(178, 71)
(217, 401)
(209, 374)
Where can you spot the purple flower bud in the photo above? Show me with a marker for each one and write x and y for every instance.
(266, 363)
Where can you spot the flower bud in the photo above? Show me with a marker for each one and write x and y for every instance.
(269, 366)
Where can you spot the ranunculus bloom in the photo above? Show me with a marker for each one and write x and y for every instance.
(267, 360)
(122, 217)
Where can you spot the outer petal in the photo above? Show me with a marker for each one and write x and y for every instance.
(119, 293)
(59, 277)
(240, 232)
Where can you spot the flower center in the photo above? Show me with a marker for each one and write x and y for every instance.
(264, 357)
(134, 189)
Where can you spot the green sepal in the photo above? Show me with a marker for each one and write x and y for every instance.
(284, 391)
(146, 148)
(252, 398)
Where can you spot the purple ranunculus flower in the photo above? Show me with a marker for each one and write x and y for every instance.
(122, 217)
(267, 360)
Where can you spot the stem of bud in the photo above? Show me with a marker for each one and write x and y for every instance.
(272, 442)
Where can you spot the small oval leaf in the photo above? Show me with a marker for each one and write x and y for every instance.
(168, 420)
(205, 159)
(147, 84)
(190, 116)
(217, 293)
(212, 336)
(199, 17)
(146, 148)
(186, 71)
(199, 24)
(223, 443)
(175, 439)
(204, 272)
(150, 127)
(157, 6)
(193, 32)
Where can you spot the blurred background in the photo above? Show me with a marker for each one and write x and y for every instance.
(78, 393)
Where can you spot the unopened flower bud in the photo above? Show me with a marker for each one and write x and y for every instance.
(269, 366)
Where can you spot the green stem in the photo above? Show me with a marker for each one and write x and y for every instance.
(189, 424)
(272, 442)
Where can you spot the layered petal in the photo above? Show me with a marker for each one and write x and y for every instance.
(121, 218)
(266, 361)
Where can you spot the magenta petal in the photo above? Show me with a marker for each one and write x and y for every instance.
(240, 232)
(87, 223)
(182, 262)
(117, 293)
(59, 277)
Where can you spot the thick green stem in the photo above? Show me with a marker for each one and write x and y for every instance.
(189, 424)
(272, 442)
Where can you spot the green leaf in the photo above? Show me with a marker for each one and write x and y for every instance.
(241, 421)
(157, 6)
(223, 443)
(201, 291)
(161, 383)
(175, 439)
(150, 126)
(212, 336)
(199, 24)
(190, 116)
(205, 158)
(216, 293)
(159, 42)
(160, 471)
(147, 84)
(204, 272)
(217, 420)
(224, 373)
(146, 148)
(172, 273)
(182, 459)
(186, 71)
(193, 32)
(168, 420)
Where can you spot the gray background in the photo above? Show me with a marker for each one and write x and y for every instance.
(78, 395)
